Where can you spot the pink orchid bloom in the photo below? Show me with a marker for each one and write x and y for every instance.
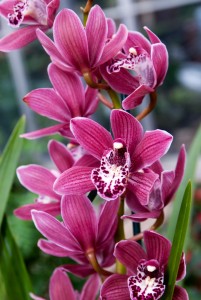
(40, 180)
(145, 271)
(60, 287)
(78, 48)
(31, 13)
(121, 160)
(162, 192)
(61, 103)
(148, 60)
(81, 233)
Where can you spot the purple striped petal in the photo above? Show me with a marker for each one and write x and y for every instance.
(182, 268)
(136, 39)
(70, 39)
(141, 184)
(48, 103)
(111, 27)
(91, 101)
(79, 217)
(180, 293)
(167, 179)
(79, 270)
(53, 52)
(53, 230)
(115, 44)
(115, 287)
(60, 286)
(19, 38)
(140, 217)
(126, 127)
(151, 148)
(158, 247)
(50, 248)
(152, 36)
(63, 129)
(90, 288)
(64, 83)
(24, 212)
(129, 253)
(6, 7)
(38, 180)
(136, 97)
(91, 136)
(96, 32)
(75, 181)
(159, 56)
(60, 155)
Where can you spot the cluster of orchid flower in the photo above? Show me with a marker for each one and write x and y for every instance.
(122, 167)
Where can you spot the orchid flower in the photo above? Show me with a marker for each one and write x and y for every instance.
(60, 287)
(78, 48)
(121, 160)
(83, 235)
(31, 13)
(40, 180)
(61, 103)
(162, 191)
(145, 271)
(148, 61)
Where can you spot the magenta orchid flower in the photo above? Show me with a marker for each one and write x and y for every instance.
(162, 191)
(79, 48)
(61, 103)
(148, 61)
(145, 271)
(60, 287)
(40, 180)
(121, 160)
(82, 233)
(32, 14)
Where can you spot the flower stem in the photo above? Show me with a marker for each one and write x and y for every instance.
(88, 79)
(157, 224)
(149, 108)
(86, 10)
(91, 256)
(120, 235)
(114, 97)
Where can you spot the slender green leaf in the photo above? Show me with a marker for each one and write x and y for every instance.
(8, 164)
(178, 242)
(192, 158)
(14, 275)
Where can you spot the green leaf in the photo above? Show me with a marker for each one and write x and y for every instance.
(178, 242)
(8, 164)
(192, 158)
(15, 282)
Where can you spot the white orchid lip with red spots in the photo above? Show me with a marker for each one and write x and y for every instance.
(148, 283)
(34, 8)
(140, 62)
(111, 177)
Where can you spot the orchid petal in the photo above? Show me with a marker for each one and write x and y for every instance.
(141, 184)
(111, 27)
(182, 268)
(91, 136)
(79, 270)
(126, 127)
(80, 218)
(115, 287)
(64, 83)
(6, 7)
(159, 56)
(115, 44)
(70, 38)
(75, 181)
(60, 286)
(167, 180)
(60, 155)
(38, 180)
(152, 36)
(53, 230)
(24, 212)
(180, 293)
(136, 97)
(48, 103)
(158, 247)
(129, 253)
(19, 38)
(91, 101)
(136, 39)
(140, 217)
(63, 129)
(90, 288)
(50, 248)
(151, 148)
(96, 32)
